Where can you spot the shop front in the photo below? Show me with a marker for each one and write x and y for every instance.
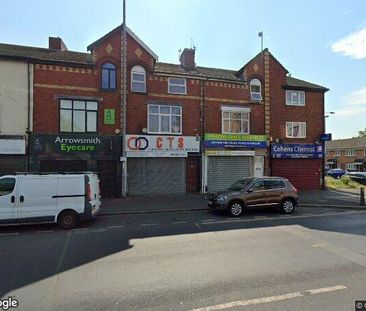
(12, 154)
(300, 163)
(79, 152)
(229, 157)
(162, 165)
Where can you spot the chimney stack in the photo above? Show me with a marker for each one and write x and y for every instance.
(56, 43)
(187, 59)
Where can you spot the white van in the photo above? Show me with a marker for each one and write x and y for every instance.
(62, 198)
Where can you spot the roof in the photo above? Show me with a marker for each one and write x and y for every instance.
(130, 32)
(42, 54)
(357, 142)
(297, 83)
(202, 72)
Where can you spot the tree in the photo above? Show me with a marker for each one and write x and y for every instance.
(362, 133)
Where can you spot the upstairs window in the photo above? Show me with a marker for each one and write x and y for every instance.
(337, 153)
(108, 76)
(235, 120)
(78, 116)
(163, 119)
(177, 86)
(296, 129)
(350, 152)
(295, 98)
(255, 90)
(138, 79)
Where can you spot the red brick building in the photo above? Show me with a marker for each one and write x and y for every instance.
(189, 128)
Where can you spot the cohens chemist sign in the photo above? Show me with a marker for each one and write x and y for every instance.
(303, 151)
(77, 144)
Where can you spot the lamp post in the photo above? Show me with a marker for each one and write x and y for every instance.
(326, 115)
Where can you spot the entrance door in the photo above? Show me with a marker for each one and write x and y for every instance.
(7, 199)
(107, 171)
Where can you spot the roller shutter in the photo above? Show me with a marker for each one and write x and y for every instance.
(223, 171)
(151, 176)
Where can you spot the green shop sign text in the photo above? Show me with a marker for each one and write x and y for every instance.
(77, 144)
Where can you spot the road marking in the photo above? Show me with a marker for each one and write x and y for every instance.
(9, 234)
(116, 227)
(178, 222)
(45, 231)
(318, 245)
(325, 289)
(256, 301)
(207, 220)
(148, 225)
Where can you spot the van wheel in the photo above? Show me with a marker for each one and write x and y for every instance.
(287, 206)
(68, 220)
(236, 208)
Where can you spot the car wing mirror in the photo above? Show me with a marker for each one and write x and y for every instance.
(250, 190)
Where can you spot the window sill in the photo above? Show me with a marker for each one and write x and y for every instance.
(171, 93)
(138, 93)
(170, 134)
(108, 90)
(294, 105)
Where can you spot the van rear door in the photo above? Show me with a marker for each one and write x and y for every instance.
(7, 199)
(36, 198)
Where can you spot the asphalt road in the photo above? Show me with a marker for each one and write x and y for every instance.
(314, 259)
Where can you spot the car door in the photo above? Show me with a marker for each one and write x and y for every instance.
(256, 194)
(7, 199)
(37, 198)
(275, 189)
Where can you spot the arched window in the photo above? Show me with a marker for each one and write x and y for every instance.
(255, 90)
(108, 76)
(138, 79)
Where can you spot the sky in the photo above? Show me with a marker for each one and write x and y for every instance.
(323, 42)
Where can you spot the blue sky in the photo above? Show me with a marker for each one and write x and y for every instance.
(320, 41)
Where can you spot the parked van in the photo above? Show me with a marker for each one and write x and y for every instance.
(63, 198)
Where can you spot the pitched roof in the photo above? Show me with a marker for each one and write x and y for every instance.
(201, 72)
(130, 32)
(42, 54)
(297, 83)
(356, 142)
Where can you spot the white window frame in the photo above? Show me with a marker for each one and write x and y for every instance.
(292, 126)
(175, 84)
(255, 82)
(235, 110)
(350, 152)
(141, 71)
(291, 102)
(337, 153)
(351, 167)
(170, 119)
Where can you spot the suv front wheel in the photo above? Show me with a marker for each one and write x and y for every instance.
(236, 208)
(287, 206)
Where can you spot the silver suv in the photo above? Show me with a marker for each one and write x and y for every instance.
(253, 192)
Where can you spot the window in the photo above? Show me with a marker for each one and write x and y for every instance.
(257, 186)
(270, 184)
(177, 86)
(235, 120)
(138, 79)
(296, 129)
(350, 152)
(351, 167)
(295, 98)
(6, 186)
(78, 116)
(108, 76)
(255, 90)
(337, 153)
(165, 119)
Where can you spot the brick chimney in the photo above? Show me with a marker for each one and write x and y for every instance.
(187, 59)
(56, 43)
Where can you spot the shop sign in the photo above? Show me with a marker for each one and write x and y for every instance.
(230, 153)
(326, 137)
(12, 146)
(109, 117)
(297, 151)
(161, 146)
(235, 141)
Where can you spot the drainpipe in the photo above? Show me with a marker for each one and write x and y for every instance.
(28, 117)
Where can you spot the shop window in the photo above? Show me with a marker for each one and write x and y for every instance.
(296, 129)
(177, 86)
(235, 121)
(164, 119)
(138, 79)
(295, 98)
(255, 90)
(78, 116)
(108, 76)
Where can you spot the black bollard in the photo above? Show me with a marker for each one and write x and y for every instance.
(362, 196)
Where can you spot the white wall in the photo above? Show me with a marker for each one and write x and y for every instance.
(14, 97)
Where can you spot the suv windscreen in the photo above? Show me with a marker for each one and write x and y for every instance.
(240, 184)
(6, 186)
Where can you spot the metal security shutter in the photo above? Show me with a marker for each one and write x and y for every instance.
(223, 171)
(151, 176)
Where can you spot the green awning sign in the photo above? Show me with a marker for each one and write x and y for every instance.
(109, 116)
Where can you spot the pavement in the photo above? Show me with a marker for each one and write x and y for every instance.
(192, 202)
(314, 259)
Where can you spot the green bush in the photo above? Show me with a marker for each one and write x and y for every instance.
(343, 182)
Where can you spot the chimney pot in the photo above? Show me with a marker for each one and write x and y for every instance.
(56, 43)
